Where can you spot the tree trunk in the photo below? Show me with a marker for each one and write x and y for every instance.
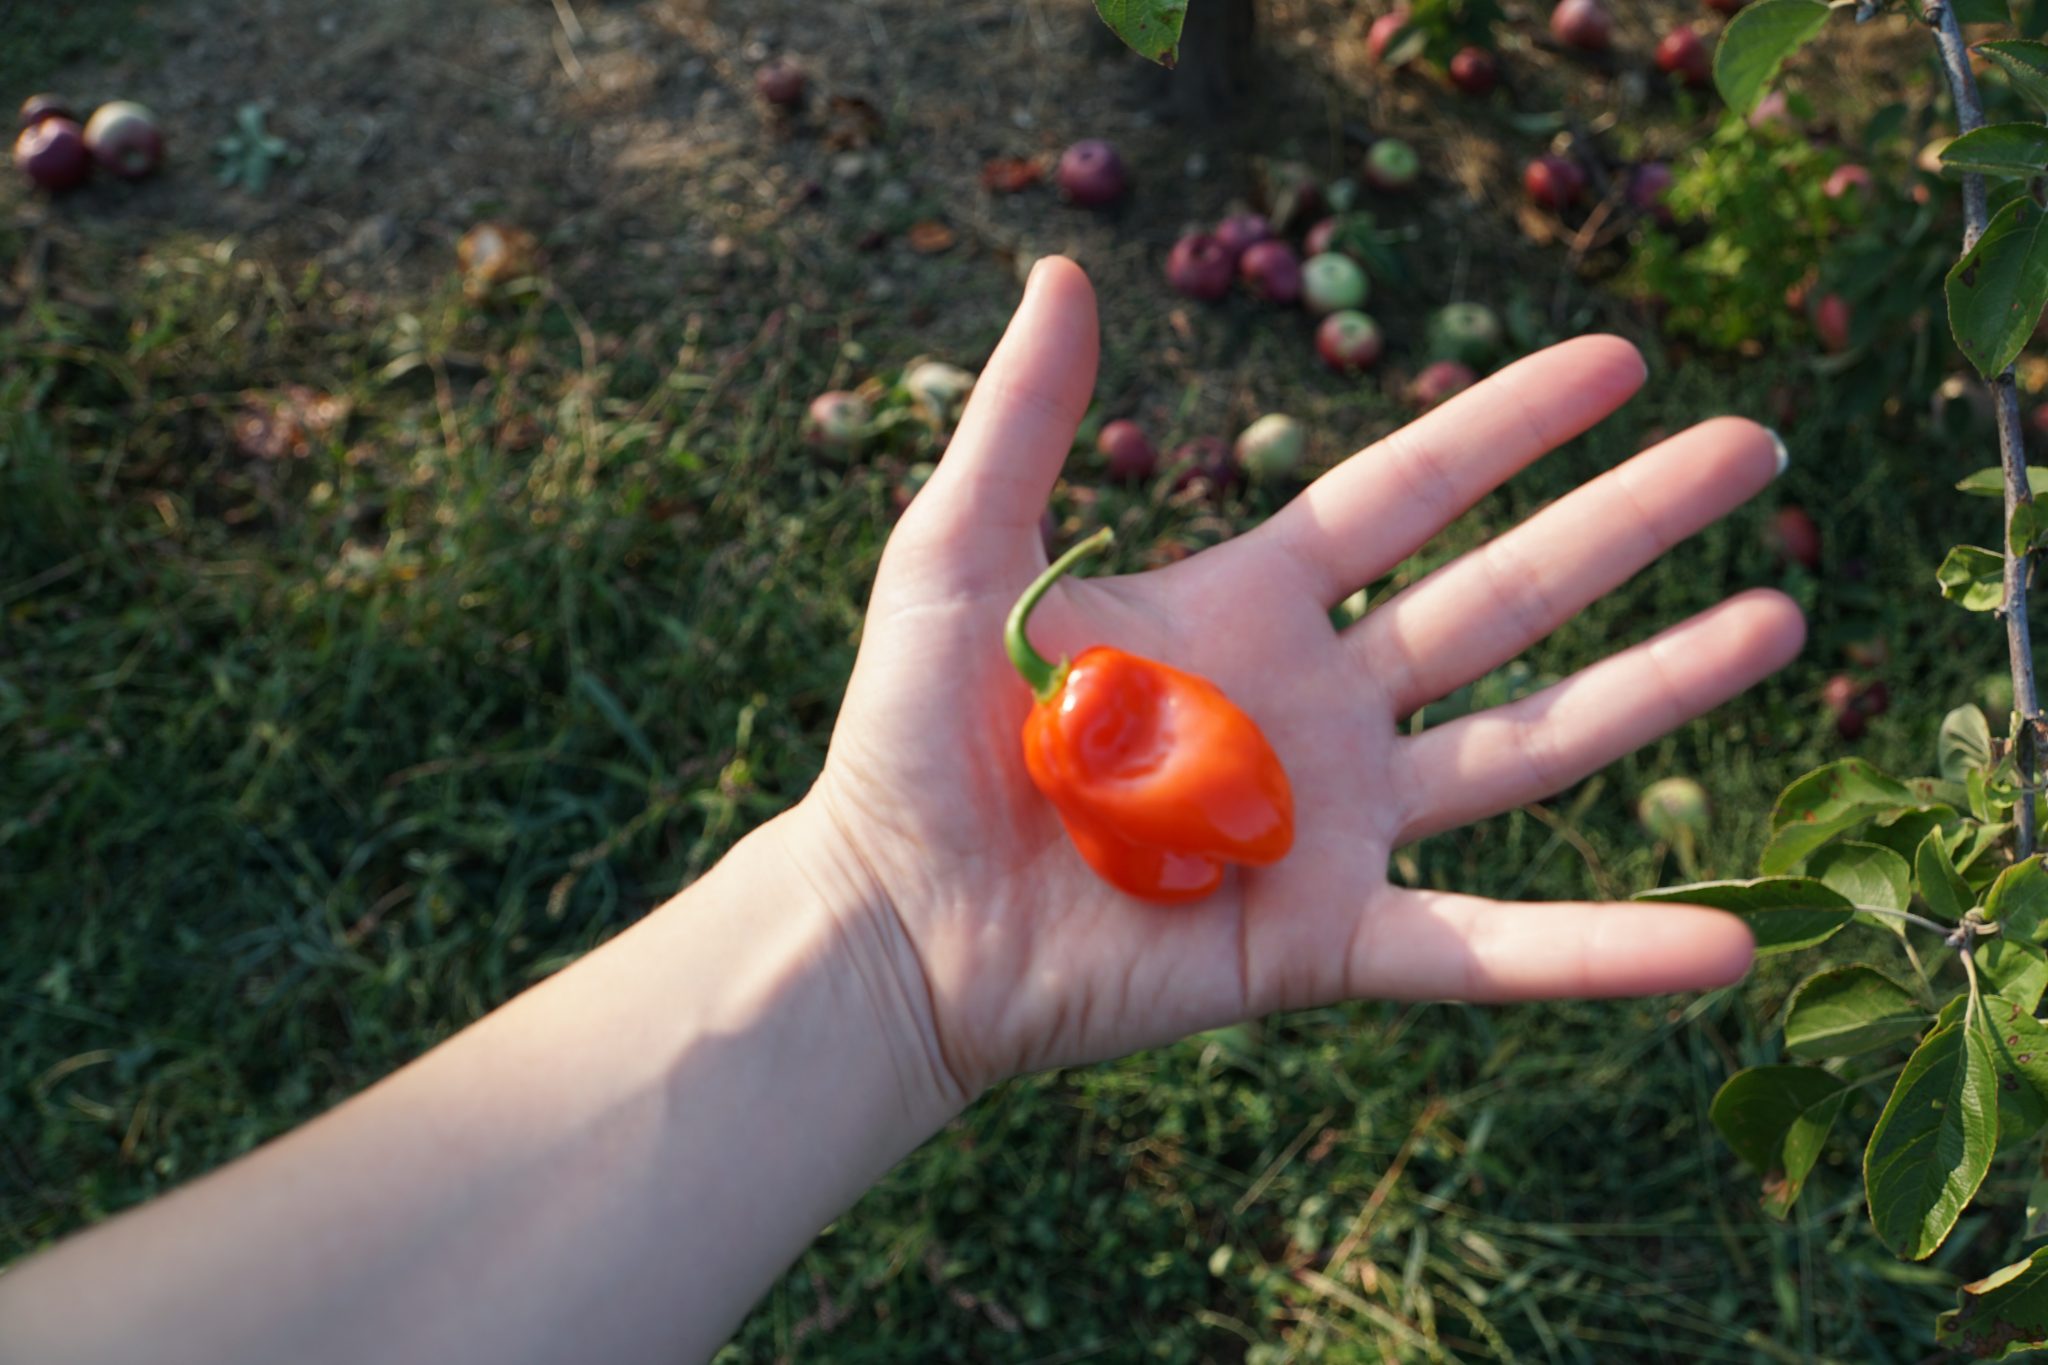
(1215, 59)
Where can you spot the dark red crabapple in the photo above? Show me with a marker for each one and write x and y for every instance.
(1683, 53)
(1648, 183)
(1794, 539)
(1200, 267)
(1583, 24)
(1440, 380)
(1242, 231)
(52, 154)
(780, 82)
(1474, 71)
(1831, 320)
(1091, 173)
(1553, 182)
(1131, 456)
(1271, 271)
(1206, 459)
(36, 108)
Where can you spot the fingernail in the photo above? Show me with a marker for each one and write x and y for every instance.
(1784, 455)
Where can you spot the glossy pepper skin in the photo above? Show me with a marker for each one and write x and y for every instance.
(1160, 780)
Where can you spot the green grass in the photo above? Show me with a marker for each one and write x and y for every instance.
(36, 40)
(306, 763)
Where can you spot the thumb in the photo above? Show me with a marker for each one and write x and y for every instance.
(984, 502)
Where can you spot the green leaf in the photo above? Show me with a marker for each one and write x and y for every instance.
(2018, 901)
(1151, 28)
(1902, 834)
(1990, 483)
(1785, 913)
(2003, 1313)
(1829, 801)
(1845, 1011)
(1866, 874)
(2014, 151)
(2026, 66)
(1964, 745)
(1756, 43)
(2019, 1055)
(2016, 970)
(1982, 11)
(1756, 1108)
(1947, 895)
(1973, 577)
(1802, 1148)
(1997, 290)
(1933, 1143)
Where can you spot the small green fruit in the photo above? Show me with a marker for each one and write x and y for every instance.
(1272, 447)
(1467, 332)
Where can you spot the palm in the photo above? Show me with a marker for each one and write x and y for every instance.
(1030, 960)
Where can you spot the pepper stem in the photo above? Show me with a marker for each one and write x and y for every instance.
(1044, 676)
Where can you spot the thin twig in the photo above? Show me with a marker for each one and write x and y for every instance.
(1955, 62)
(1933, 926)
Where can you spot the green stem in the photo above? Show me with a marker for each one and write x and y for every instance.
(1044, 676)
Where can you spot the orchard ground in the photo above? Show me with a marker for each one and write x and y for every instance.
(332, 716)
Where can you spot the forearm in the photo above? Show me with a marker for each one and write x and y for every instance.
(612, 1167)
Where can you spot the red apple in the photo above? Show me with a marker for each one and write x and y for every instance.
(1131, 455)
(1440, 380)
(1391, 165)
(1682, 53)
(1271, 271)
(1092, 174)
(1381, 35)
(1242, 231)
(1848, 178)
(1349, 341)
(1854, 703)
(1206, 459)
(1583, 24)
(839, 421)
(1648, 183)
(1794, 539)
(1831, 319)
(52, 154)
(1322, 239)
(1200, 267)
(36, 108)
(1474, 71)
(1554, 182)
(123, 137)
(780, 82)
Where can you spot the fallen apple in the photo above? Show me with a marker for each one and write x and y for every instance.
(51, 153)
(938, 390)
(839, 421)
(1470, 332)
(1792, 538)
(123, 137)
(1683, 53)
(1091, 174)
(1323, 236)
(1272, 447)
(1205, 460)
(780, 82)
(1380, 37)
(1474, 71)
(1200, 267)
(1854, 703)
(1583, 24)
(1271, 271)
(1648, 184)
(1440, 379)
(36, 108)
(1242, 231)
(1330, 283)
(1831, 322)
(1391, 165)
(1349, 340)
(1553, 182)
(1129, 451)
(1674, 808)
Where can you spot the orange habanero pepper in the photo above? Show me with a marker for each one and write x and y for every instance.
(1158, 777)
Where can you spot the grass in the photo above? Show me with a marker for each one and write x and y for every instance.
(307, 761)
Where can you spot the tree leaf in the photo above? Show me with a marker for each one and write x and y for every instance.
(1866, 874)
(1756, 43)
(1997, 290)
(1829, 801)
(1933, 1142)
(2003, 1313)
(1844, 1011)
(2018, 901)
(1982, 11)
(1964, 745)
(1990, 483)
(1151, 28)
(1801, 1149)
(2019, 1055)
(2012, 151)
(2025, 64)
(2016, 970)
(1755, 1108)
(1785, 913)
(1974, 577)
(1947, 895)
